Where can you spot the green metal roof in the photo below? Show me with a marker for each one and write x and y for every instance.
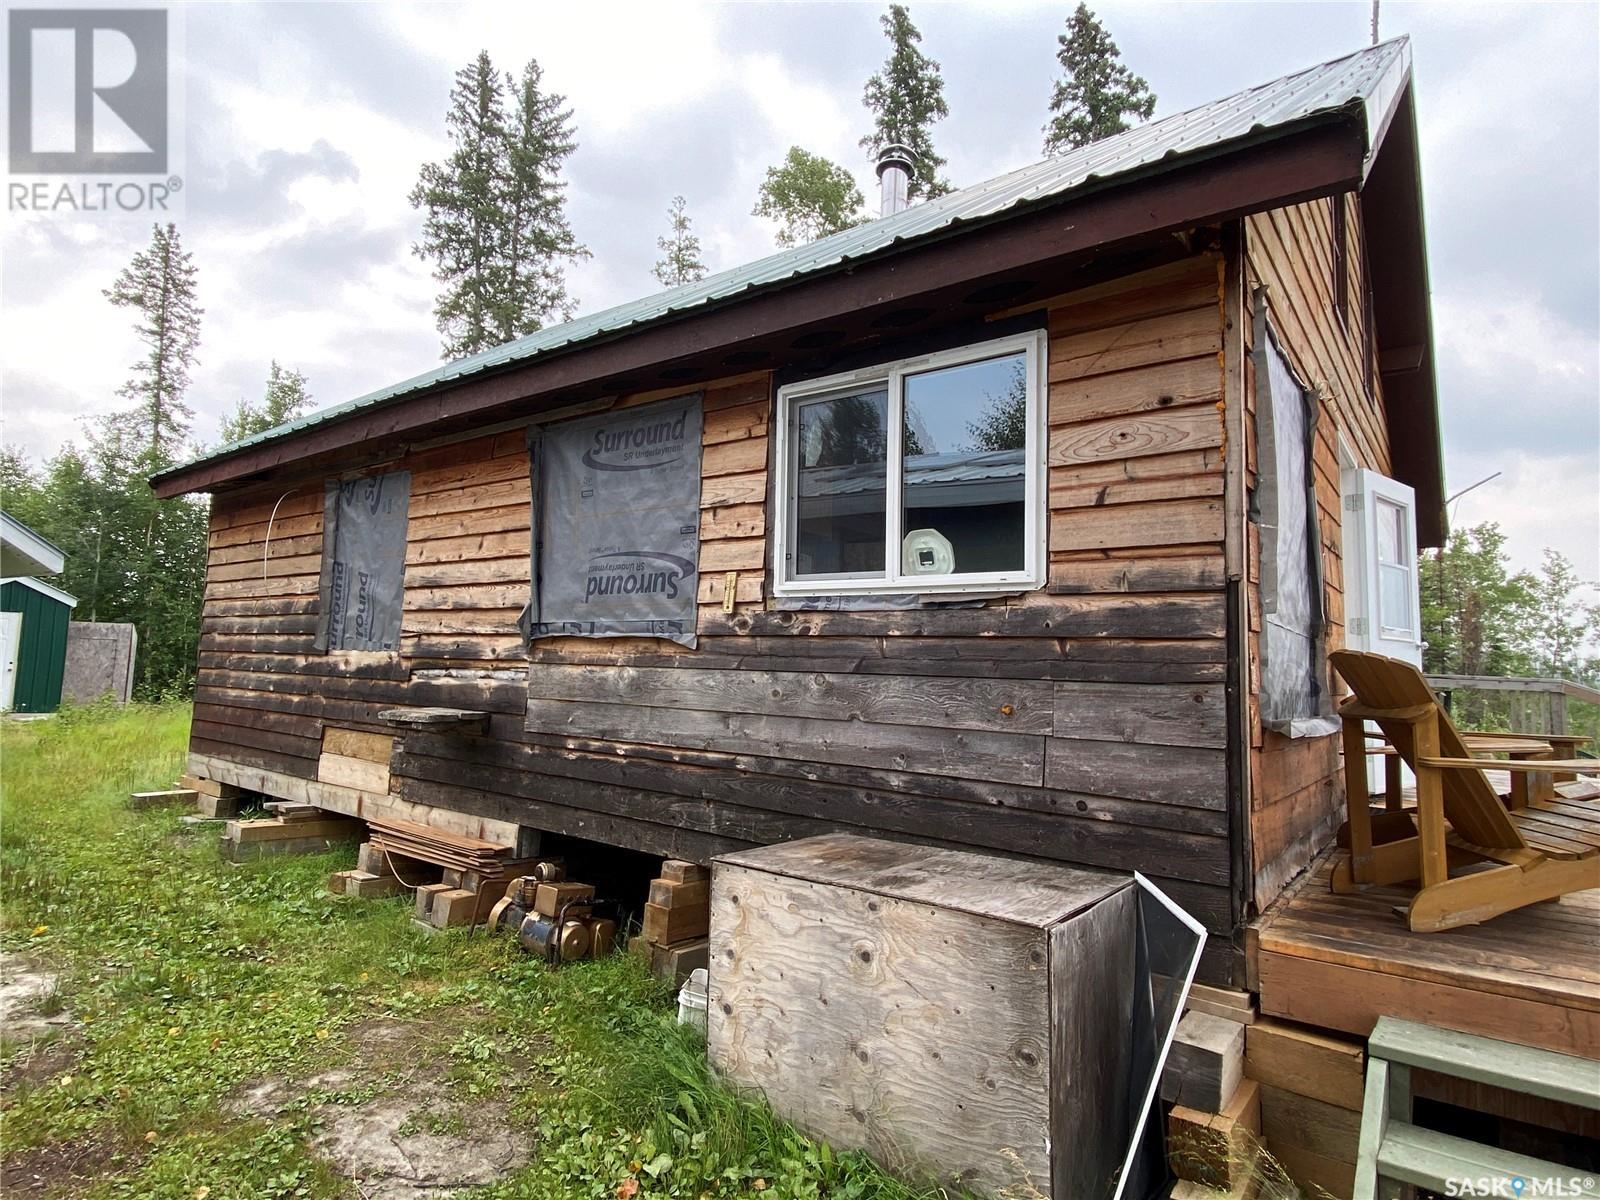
(1368, 82)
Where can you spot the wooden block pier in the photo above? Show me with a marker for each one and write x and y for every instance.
(676, 921)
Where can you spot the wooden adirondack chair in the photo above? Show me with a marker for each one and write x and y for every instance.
(1512, 859)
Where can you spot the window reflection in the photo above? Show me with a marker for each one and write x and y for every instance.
(843, 450)
(964, 449)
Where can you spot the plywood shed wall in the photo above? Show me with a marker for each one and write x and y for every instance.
(1085, 722)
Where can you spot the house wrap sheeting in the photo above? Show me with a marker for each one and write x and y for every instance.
(618, 504)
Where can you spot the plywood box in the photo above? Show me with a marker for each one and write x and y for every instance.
(956, 1015)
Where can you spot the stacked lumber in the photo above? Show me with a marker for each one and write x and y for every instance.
(440, 846)
(1214, 1126)
(474, 873)
(1312, 1084)
(677, 919)
(299, 829)
(1222, 1002)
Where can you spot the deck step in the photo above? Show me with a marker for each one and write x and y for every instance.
(1545, 1073)
(1439, 1162)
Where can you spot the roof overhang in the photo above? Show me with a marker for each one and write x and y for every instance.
(44, 589)
(1316, 157)
(1391, 207)
(24, 552)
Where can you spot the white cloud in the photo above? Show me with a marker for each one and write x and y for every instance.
(1540, 501)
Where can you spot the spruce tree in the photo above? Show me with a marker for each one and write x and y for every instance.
(459, 233)
(538, 240)
(1096, 94)
(149, 556)
(809, 197)
(496, 227)
(285, 399)
(680, 249)
(159, 284)
(906, 97)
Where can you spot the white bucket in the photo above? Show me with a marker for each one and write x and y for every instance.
(692, 999)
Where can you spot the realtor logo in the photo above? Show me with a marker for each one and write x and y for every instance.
(88, 91)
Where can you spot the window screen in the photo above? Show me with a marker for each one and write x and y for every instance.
(363, 562)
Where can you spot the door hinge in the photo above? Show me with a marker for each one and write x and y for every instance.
(1352, 503)
(1358, 626)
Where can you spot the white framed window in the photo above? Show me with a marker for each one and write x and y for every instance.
(1396, 564)
(922, 475)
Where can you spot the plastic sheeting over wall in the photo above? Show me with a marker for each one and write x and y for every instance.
(617, 510)
(1293, 694)
(363, 562)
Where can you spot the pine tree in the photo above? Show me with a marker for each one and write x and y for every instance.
(496, 227)
(148, 559)
(906, 97)
(539, 241)
(1096, 93)
(160, 285)
(680, 249)
(285, 399)
(1562, 625)
(459, 232)
(810, 197)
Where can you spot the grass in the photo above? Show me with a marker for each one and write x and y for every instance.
(187, 978)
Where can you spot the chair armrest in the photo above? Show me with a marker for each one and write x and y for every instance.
(1574, 766)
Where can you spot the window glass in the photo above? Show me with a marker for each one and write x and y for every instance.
(1391, 532)
(964, 468)
(842, 444)
(1394, 569)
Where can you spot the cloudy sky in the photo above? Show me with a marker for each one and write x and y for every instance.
(305, 124)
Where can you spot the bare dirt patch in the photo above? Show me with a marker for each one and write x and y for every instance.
(35, 1029)
(56, 1169)
(28, 1007)
(417, 1136)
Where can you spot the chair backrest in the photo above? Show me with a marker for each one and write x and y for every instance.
(1471, 805)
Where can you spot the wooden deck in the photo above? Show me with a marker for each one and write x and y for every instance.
(1341, 962)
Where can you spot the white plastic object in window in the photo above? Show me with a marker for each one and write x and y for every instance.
(927, 552)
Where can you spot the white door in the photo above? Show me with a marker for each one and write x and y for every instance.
(1383, 608)
(10, 645)
(1382, 598)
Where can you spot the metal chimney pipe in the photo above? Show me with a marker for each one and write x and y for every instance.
(895, 163)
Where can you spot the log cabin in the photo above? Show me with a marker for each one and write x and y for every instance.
(1019, 520)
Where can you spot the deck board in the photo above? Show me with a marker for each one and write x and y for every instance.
(1341, 961)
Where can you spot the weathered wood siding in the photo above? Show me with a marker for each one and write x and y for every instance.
(1296, 785)
(1084, 722)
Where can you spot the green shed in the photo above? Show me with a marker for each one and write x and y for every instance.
(33, 644)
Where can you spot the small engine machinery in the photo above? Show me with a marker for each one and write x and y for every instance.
(554, 917)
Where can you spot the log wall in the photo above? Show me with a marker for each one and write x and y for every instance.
(1296, 784)
(1083, 722)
